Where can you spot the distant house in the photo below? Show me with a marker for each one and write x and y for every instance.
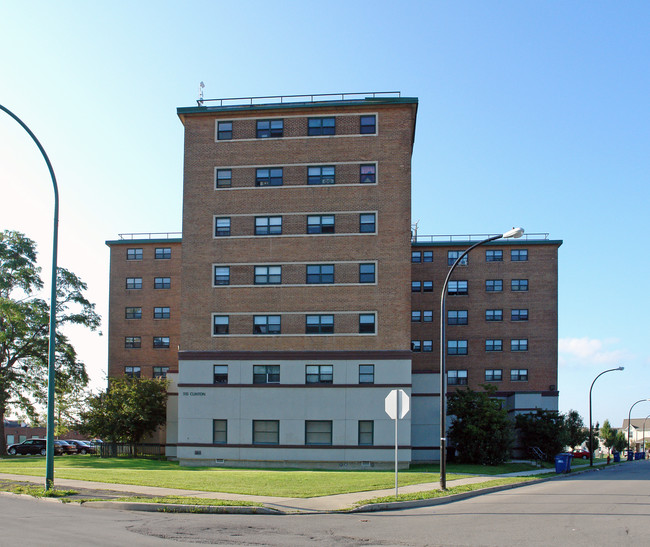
(639, 432)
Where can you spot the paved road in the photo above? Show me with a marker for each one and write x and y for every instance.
(606, 507)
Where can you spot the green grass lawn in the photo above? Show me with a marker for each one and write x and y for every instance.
(262, 482)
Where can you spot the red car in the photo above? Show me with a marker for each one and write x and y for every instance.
(581, 454)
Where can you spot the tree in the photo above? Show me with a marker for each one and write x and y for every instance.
(608, 435)
(545, 429)
(127, 411)
(481, 432)
(620, 441)
(577, 433)
(24, 329)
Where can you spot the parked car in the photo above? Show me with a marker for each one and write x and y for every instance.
(66, 447)
(82, 446)
(33, 446)
(581, 454)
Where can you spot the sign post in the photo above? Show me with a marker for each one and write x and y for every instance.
(397, 406)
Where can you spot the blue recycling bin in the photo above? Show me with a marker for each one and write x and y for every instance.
(563, 463)
(617, 457)
(637, 455)
(630, 456)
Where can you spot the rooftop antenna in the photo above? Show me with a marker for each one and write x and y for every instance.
(414, 231)
(200, 101)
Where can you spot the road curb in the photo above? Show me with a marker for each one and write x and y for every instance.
(180, 508)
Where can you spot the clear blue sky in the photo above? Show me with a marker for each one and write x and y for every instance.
(531, 113)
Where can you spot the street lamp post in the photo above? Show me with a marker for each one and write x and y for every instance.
(514, 233)
(629, 419)
(51, 359)
(591, 428)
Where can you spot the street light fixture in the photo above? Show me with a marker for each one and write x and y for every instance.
(629, 419)
(591, 428)
(514, 233)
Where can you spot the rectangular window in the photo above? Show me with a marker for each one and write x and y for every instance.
(162, 283)
(266, 324)
(219, 431)
(367, 323)
(222, 226)
(416, 345)
(220, 324)
(132, 372)
(416, 257)
(427, 286)
(319, 374)
(494, 345)
(366, 273)
(494, 285)
(519, 345)
(319, 324)
(220, 373)
(266, 226)
(366, 374)
(493, 375)
(456, 347)
(366, 432)
(427, 345)
(161, 313)
(160, 372)
(269, 177)
(452, 256)
(457, 377)
(367, 174)
(494, 315)
(132, 342)
(519, 375)
(321, 126)
(519, 315)
(519, 255)
(268, 275)
(133, 313)
(266, 432)
(318, 432)
(367, 223)
(133, 282)
(457, 317)
(266, 374)
(163, 253)
(427, 256)
(161, 342)
(320, 273)
(416, 286)
(224, 178)
(320, 224)
(416, 316)
(321, 175)
(222, 275)
(457, 287)
(368, 125)
(519, 285)
(270, 128)
(134, 254)
(427, 316)
(224, 131)
(493, 256)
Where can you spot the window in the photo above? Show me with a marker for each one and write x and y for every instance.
(133, 282)
(224, 131)
(162, 283)
(519, 375)
(161, 313)
(367, 174)
(519, 255)
(224, 178)
(367, 323)
(132, 342)
(416, 257)
(493, 256)
(133, 313)
(494, 315)
(427, 316)
(220, 324)
(452, 256)
(321, 126)
(270, 128)
(416, 316)
(134, 254)
(367, 223)
(266, 324)
(427, 345)
(519, 315)
(222, 275)
(265, 226)
(319, 374)
(268, 275)
(427, 256)
(163, 253)
(368, 125)
(266, 432)
(321, 175)
(519, 345)
(427, 286)
(320, 224)
(219, 431)
(519, 285)
(161, 342)
(132, 372)
(456, 347)
(320, 273)
(366, 273)
(220, 373)
(366, 374)
(493, 375)
(494, 345)
(222, 226)
(318, 432)
(269, 177)
(160, 372)
(493, 285)
(366, 432)
(319, 324)
(457, 317)
(416, 286)
(416, 345)
(457, 287)
(266, 374)
(457, 377)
